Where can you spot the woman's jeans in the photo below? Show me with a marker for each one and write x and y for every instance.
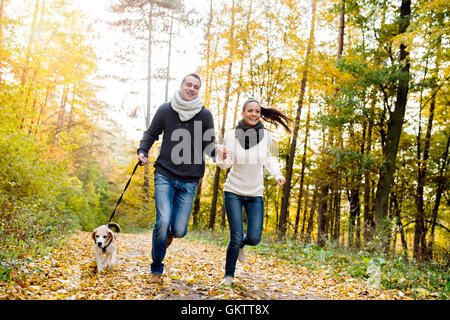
(173, 202)
(254, 209)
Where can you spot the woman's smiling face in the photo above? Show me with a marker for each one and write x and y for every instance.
(251, 114)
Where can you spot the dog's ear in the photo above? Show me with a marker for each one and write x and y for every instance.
(111, 234)
(93, 234)
(114, 225)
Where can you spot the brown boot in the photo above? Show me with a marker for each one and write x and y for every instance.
(169, 241)
(156, 279)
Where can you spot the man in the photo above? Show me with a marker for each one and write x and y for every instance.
(188, 134)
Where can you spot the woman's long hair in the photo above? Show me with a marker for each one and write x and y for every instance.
(272, 115)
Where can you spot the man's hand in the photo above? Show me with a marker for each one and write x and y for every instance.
(222, 150)
(281, 181)
(143, 159)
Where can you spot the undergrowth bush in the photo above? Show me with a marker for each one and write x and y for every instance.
(39, 203)
(383, 272)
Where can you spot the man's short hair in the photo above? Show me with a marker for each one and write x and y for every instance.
(196, 76)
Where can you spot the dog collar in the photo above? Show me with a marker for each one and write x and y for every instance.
(104, 248)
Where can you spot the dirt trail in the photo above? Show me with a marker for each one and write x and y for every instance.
(193, 271)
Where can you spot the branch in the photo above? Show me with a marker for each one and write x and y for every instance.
(436, 223)
(435, 92)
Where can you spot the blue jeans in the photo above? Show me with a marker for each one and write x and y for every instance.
(173, 202)
(254, 210)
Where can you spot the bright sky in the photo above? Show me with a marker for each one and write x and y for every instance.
(185, 59)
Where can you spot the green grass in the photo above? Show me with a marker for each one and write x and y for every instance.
(426, 280)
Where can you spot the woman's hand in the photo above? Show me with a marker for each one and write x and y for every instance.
(222, 150)
(281, 181)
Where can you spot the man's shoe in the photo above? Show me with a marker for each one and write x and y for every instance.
(169, 241)
(156, 279)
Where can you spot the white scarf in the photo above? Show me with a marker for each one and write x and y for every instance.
(186, 109)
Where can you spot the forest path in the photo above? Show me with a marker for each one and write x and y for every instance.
(193, 270)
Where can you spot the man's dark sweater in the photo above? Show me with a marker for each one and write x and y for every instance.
(184, 143)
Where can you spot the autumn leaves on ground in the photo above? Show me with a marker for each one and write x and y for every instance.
(193, 270)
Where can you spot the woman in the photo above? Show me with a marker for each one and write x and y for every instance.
(247, 151)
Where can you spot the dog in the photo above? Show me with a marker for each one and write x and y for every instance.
(105, 246)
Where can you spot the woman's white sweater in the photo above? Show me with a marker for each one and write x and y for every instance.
(246, 176)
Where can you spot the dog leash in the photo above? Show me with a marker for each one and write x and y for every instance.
(126, 186)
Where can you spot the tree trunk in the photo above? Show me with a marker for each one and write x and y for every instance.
(322, 218)
(420, 250)
(30, 44)
(212, 215)
(62, 113)
(302, 233)
(196, 208)
(340, 47)
(207, 99)
(72, 111)
(440, 189)
(353, 198)
(43, 105)
(284, 213)
(145, 186)
(368, 214)
(397, 210)
(166, 97)
(302, 174)
(149, 67)
(326, 184)
(2, 6)
(297, 214)
(223, 220)
(337, 213)
(331, 217)
(311, 216)
(394, 130)
(419, 228)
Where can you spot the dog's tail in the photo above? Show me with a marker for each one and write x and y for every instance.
(114, 225)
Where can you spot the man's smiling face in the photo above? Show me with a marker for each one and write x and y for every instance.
(190, 88)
